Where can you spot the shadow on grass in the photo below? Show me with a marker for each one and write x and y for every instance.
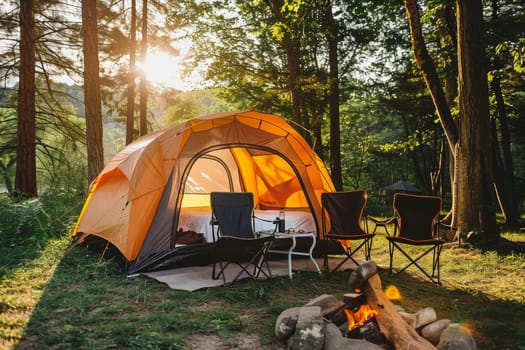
(503, 247)
(495, 324)
(19, 251)
(90, 305)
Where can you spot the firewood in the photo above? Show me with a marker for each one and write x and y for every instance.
(391, 324)
(361, 274)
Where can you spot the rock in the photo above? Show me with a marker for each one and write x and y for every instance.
(419, 319)
(309, 330)
(456, 337)
(425, 316)
(285, 324)
(432, 332)
(334, 340)
(329, 304)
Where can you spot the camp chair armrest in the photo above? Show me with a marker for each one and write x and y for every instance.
(215, 231)
(444, 225)
(274, 221)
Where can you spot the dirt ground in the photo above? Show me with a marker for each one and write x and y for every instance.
(240, 341)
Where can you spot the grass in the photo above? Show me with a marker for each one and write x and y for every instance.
(53, 300)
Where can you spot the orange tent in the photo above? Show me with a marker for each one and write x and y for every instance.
(135, 202)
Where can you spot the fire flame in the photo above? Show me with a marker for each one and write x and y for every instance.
(358, 318)
(392, 293)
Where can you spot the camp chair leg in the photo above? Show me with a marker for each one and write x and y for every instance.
(343, 261)
(413, 261)
(435, 261)
(221, 271)
(391, 256)
(261, 260)
(244, 268)
(258, 260)
(325, 262)
(258, 270)
(436, 250)
(368, 249)
(367, 243)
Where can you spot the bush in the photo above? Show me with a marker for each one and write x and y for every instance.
(48, 216)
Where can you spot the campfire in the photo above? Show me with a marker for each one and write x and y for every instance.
(357, 319)
(367, 319)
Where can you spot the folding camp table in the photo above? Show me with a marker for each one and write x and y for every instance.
(291, 250)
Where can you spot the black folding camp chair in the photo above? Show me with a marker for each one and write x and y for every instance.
(345, 217)
(234, 237)
(417, 225)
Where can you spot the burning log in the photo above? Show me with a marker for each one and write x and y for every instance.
(392, 325)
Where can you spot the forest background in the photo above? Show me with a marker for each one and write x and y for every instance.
(378, 89)
(431, 92)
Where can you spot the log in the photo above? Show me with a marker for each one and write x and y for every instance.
(391, 324)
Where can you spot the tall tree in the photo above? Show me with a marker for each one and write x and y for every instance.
(143, 103)
(25, 178)
(476, 200)
(428, 69)
(290, 43)
(332, 37)
(473, 204)
(504, 164)
(92, 100)
(130, 109)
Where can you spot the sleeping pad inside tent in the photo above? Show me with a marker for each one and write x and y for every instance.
(151, 201)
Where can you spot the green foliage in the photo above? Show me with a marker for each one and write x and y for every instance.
(63, 208)
(26, 219)
(389, 125)
(61, 163)
(186, 105)
(7, 147)
(39, 218)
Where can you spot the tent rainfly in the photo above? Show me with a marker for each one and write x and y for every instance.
(135, 202)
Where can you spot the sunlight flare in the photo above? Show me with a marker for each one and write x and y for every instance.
(163, 69)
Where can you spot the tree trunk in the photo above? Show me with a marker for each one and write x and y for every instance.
(425, 63)
(476, 199)
(25, 178)
(292, 49)
(448, 32)
(451, 89)
(6, 174)
(130, 110)
(504, 168)
(335, 134)
(92, 100)
(143, 117)
(507, 184)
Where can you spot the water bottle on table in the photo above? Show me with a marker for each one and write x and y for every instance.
(282, 225)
